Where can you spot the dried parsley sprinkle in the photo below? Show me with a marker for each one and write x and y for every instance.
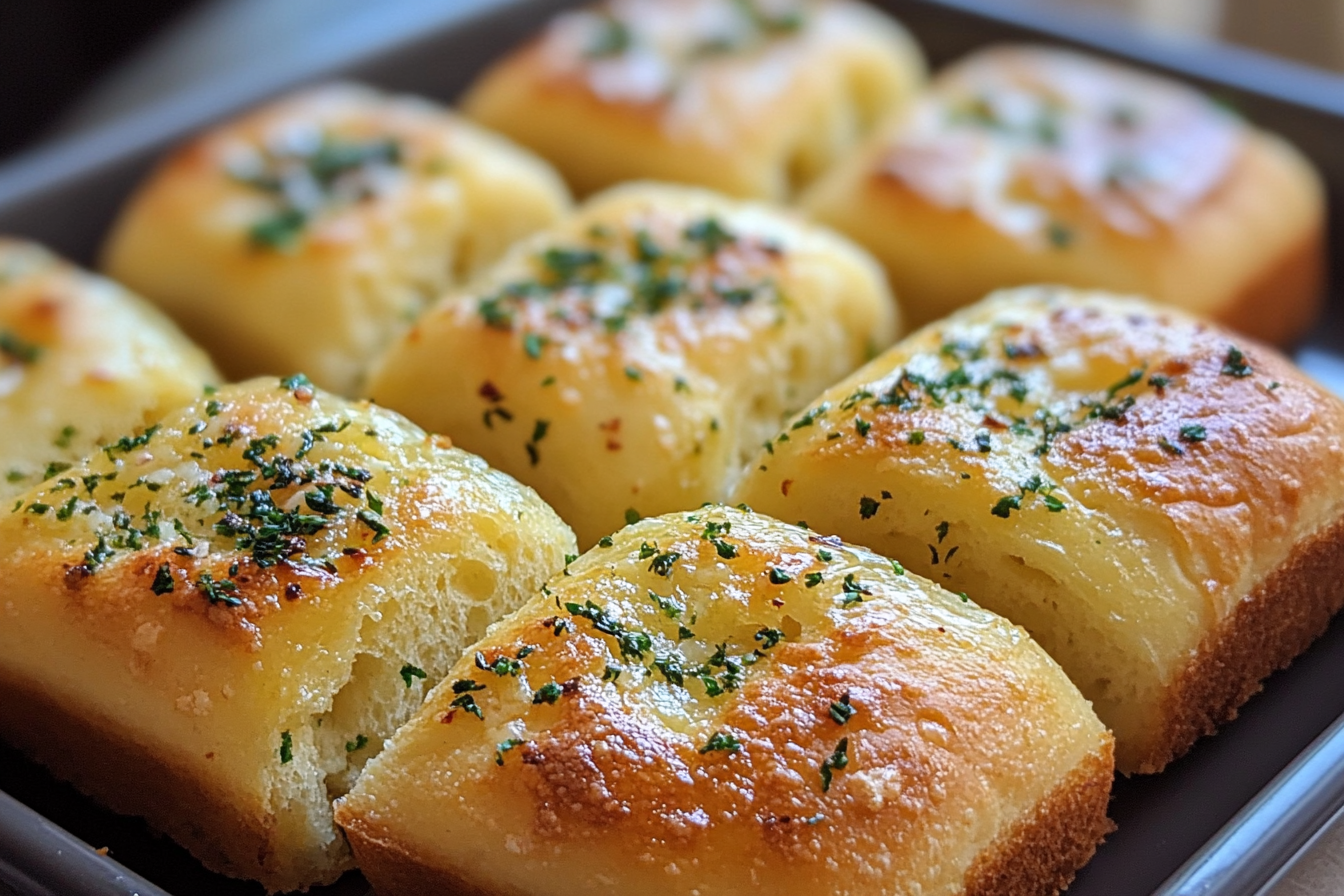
(548, 693)
(502, 665)
(862, 427)
(604, 541)
(853, 591)
(916, 437)
(66, 436)
(836, 761)
(286, 748)
(721, 742)
(812, 579)
(632, 516)
(662, 563)
(1006, 505)
(868, 507)
(612, 38)
(359, 743)
(779, 577)
(897, 568)
(841, 711)
(1158, 381)
(1193, 432)
(505, 746)
(163, 580)
(18, 349)
(1236, 363)
(409, 673)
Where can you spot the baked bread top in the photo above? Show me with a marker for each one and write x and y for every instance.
(1115, 476)
(658, 334)
(717, 701)
(337, 213)
(1037, 164)
(81, 362)
(753, 98)
(248, 596)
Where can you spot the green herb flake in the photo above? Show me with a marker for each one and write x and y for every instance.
(868, 507)
(841, 711)
(163, 580)
(409, 673)
(505, 746)
(286, 748)
(1236, 364)
(779, 577)
(359, 743)
(721, 742)
(835, 762)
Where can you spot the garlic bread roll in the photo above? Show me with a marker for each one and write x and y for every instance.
(81, 362)
(627, 361)
(1026, 165)
(1156, 500)
(307, 234)
(216, 621)
(754, 98)
(717, 702)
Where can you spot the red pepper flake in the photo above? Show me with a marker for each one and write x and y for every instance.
(490, 392)
(785, 486)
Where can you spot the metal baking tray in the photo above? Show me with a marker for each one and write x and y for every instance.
(1224, 820)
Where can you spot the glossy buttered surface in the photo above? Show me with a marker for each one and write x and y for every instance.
(717, 700)
(1114, 476)
(752, 98)
(1028, 165)
(625, 362)
(307, 234)
(81, 362)
(248, 597)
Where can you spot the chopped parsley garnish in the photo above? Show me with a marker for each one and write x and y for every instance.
(1236, 363)
(409, 673)
(304, 180)
(18, 349)
(842, 710)
(868, 507)
(662, 563)
(505, 746)
(779, 577)
(632, 644)
(833, 763)
(1193, 432)
(286, 748)
(359, 743)
(721, 742)
(632, 516)
(163, 579)
(548, 693)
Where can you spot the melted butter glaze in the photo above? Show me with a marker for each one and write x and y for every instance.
(1011, 134)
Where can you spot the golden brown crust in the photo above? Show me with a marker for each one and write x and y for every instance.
(717, 699)
(1115, 477)
(1280, 304)
(753, 100)
(1042, 853)
(1020, 157)
(1266, 632)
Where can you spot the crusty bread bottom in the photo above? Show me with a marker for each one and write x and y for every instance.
(1041, 854)
(103, 760)
(1278, 620)
(1037, 856)
(1283, 301)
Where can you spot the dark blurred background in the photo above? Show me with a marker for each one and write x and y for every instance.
(66, 64)
(53, 51)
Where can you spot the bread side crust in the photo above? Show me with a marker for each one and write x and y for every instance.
(395, 871)
(1271, 626)
(1280, 304)
(105, 761)
(1041, 853)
